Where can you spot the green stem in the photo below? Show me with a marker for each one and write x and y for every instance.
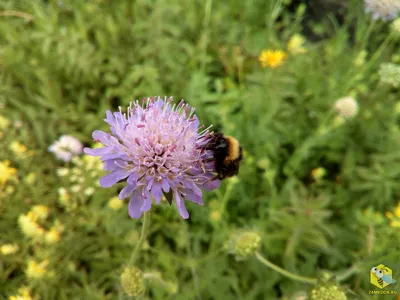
(145, 229)
(284, 272)
(346, 274)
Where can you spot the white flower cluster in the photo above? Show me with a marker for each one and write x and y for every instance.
(382, 9)
(66, 147)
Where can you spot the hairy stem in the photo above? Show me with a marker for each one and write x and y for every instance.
(145, 229)
(284, 272)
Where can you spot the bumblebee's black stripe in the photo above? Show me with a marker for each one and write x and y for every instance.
(380, 281)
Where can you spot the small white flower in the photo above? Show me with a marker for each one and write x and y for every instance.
(76, 188)
(389, 73)
(382, 9)
(62, 172)
(66, 147)
(347, 107)
(88, 191)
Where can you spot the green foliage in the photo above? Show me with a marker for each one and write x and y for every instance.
(64, 63)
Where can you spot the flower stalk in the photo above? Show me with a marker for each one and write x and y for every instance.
(284, 272)
(143, 235)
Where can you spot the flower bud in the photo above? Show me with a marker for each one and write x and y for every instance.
(347, 107)
(244, 244)
(132, 282)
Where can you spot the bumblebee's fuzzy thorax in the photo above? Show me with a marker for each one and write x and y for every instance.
(227, 154)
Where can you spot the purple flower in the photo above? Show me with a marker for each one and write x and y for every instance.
(157, 148)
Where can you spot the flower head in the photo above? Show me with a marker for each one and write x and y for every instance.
(23, 294)
(347, 107)
(18, 149)
(327, 291)
(6, 172)
(296, 44)
(382, 9)
(157, 148)
(132, 282)
(244, 244)
(36, 270)
(389, 73)
(29, 225)
(115, 203)
(8, 249)
(41, 211)
(52, 236)
(271, 58)
(394, 216)
(318, 173)
(66, 147)
(4, 122)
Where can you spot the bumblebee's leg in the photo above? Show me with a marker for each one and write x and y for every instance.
(211, 179)
(208, 160)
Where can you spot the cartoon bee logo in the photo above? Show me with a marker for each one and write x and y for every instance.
(381, 276)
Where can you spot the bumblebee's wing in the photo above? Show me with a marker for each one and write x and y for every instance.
(388, 279)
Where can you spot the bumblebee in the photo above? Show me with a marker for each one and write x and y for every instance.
(227, 154)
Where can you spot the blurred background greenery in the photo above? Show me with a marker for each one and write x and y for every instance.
(318, 182)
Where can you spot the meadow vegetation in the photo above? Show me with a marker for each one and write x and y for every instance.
(311, 91)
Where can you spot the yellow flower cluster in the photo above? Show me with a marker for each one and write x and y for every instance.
(19, 150)
(6, 172)
(8, 249)
(29, 225)
(36, 270)
(275, 58)
(32, 229)
(23, 294)
(394, 216)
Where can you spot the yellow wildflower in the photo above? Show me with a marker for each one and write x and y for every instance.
(36, 270)
(115, 203)
(4, 122)
(29, 226)
(295, 44)
(394, 216)
(93, 163)
(6, 172)
(41, 211)
(52, 236)
(271, 58)
(23, 294)
(17, 148)
(318, 173)
(30, 178)
(8, 249)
